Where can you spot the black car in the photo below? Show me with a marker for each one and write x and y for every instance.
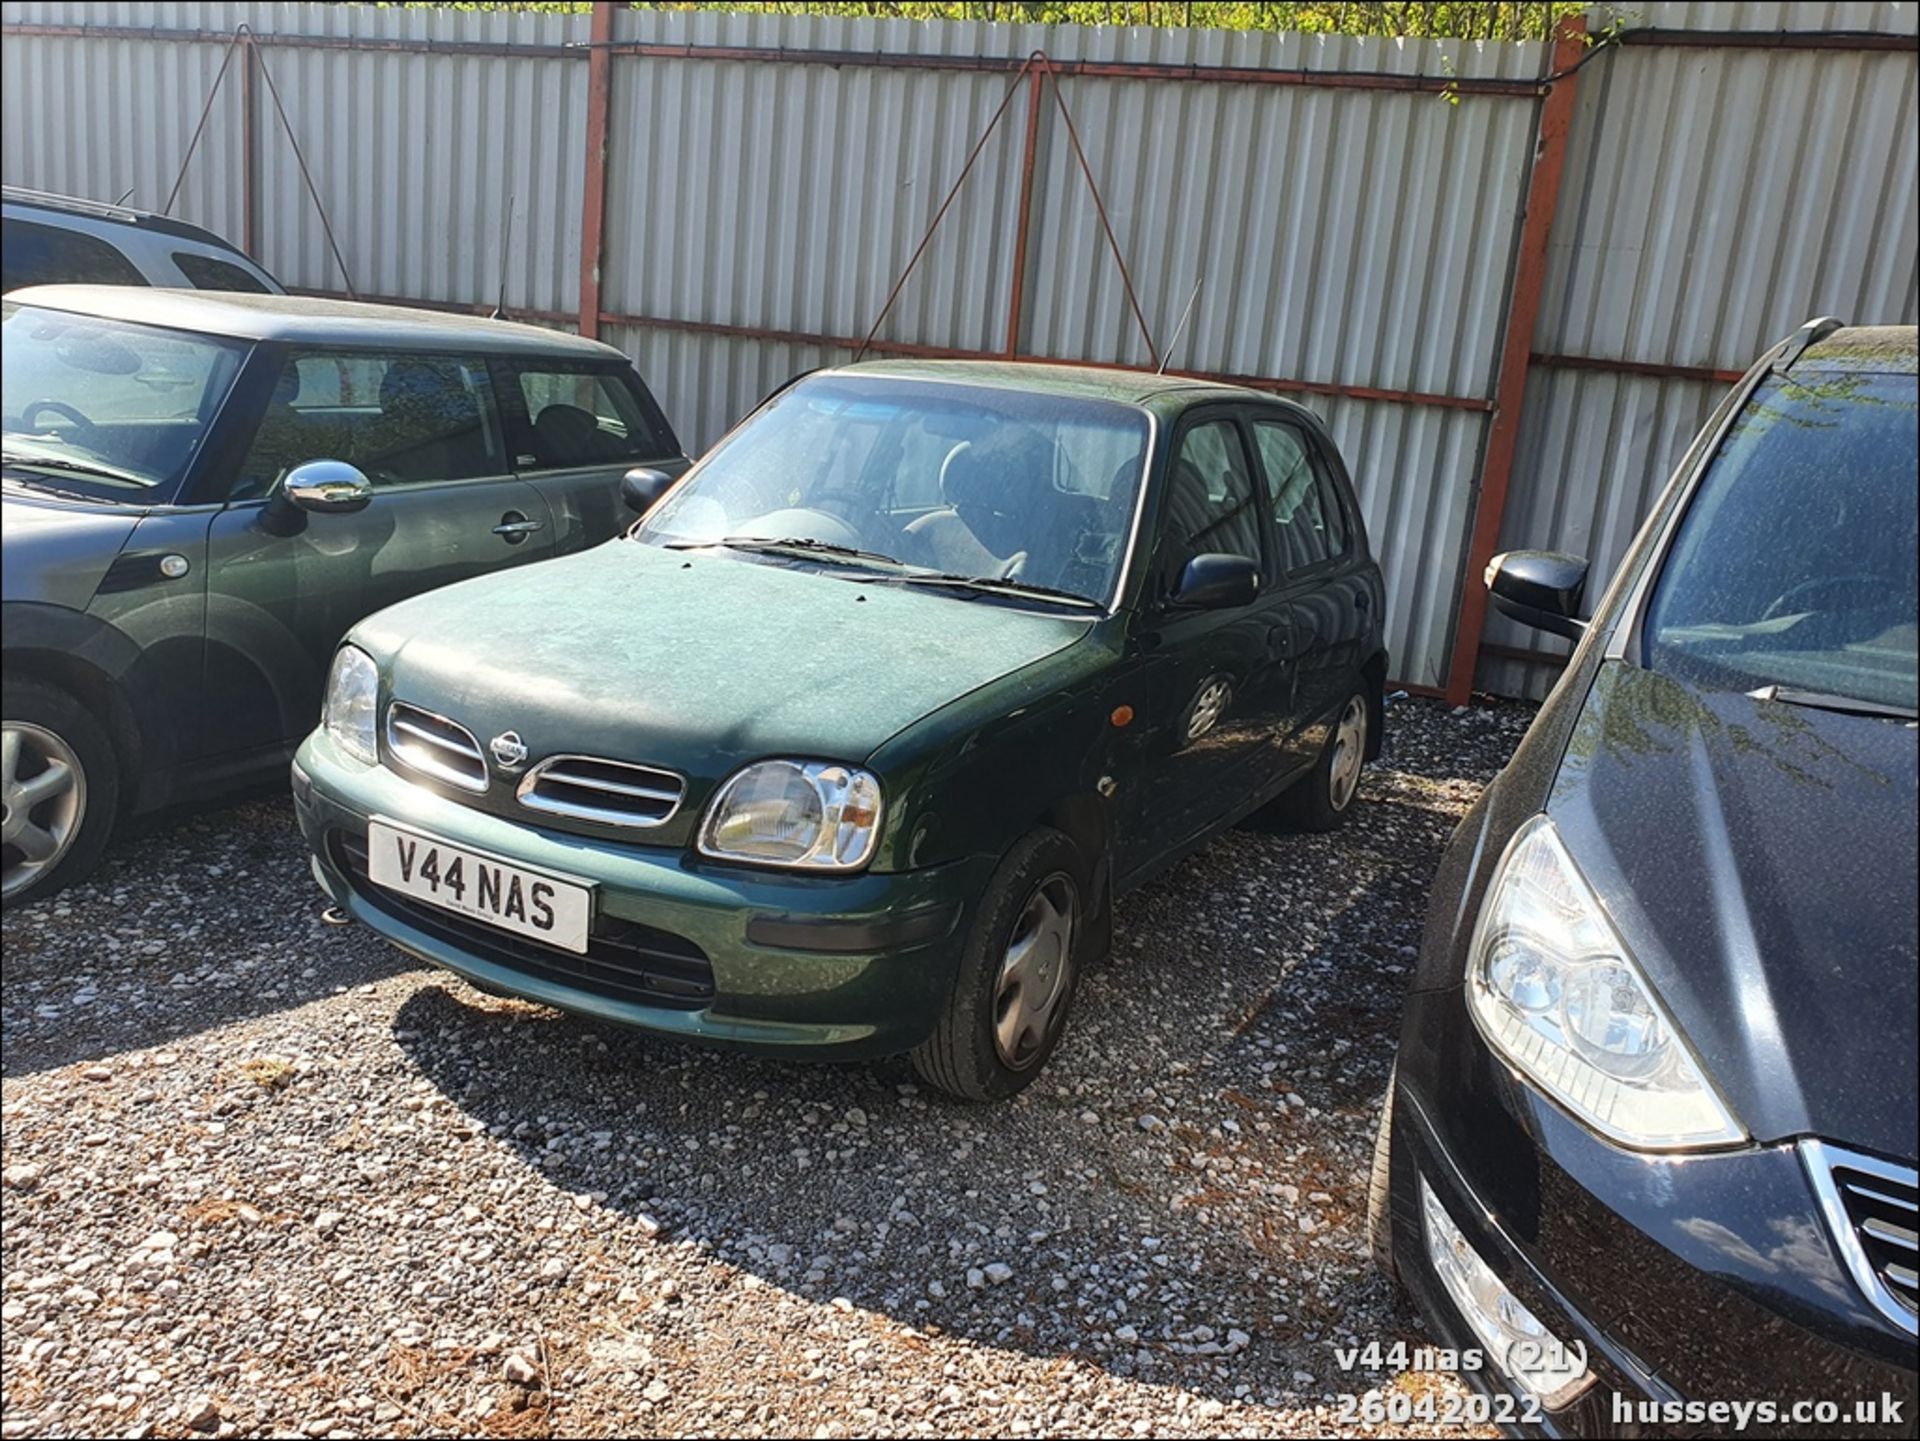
(1651, 1139)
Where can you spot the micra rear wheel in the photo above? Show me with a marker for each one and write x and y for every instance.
(60, 785)
(1009, 1002)
(1323, 798)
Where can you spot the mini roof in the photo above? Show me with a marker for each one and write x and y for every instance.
(308, 320)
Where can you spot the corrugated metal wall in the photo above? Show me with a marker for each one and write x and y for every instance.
(1796, 193)
(1354, 238)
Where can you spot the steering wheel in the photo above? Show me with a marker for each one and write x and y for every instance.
(1015, 566)
(1783, 604)
(59, 407)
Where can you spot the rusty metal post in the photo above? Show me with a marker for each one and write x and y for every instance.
(249, 154)
(1523, 309)
(1015, 304)
(593, 208)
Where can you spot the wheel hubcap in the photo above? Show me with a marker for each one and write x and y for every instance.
(1034, 972)
(45, 796)
(1349, 752)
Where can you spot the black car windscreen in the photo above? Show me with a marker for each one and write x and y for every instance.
(1795, 564)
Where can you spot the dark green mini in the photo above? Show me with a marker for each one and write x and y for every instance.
(847, 747)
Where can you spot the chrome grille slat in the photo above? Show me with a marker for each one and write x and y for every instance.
(1901, 1236)
(435, 746)
(1870, 1206)
(603, 791)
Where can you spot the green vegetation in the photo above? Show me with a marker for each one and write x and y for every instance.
(1465, 19)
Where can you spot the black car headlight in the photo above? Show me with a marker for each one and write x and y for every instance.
(804, 815)
(353, 693)
(1557, 995)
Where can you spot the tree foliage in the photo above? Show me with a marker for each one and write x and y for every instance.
(1415, 19)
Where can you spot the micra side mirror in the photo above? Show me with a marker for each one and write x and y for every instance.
(1540, 588)
(1217, 581)
(642, 487)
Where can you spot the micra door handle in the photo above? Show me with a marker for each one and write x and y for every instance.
(1280, 640)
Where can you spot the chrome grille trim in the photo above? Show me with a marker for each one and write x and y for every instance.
(1857, 1193)
(606, 792)
(430, 743)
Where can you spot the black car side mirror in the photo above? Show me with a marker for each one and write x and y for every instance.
(1216, 581)
(642, 487)
(1540, 588)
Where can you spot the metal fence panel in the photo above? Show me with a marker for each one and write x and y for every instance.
(1353, 238)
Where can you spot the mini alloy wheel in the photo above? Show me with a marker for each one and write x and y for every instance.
(44, 788)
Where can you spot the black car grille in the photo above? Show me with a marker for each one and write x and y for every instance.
(625, 961)
(1879, 1203)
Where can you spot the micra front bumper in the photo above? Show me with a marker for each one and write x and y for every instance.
(845, 967)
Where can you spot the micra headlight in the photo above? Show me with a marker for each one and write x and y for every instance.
(353, 694)
(802, 815)
(1557, 995)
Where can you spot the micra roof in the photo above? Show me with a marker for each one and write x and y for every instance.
(306, 320)
(1090, 382)
(1886, 349)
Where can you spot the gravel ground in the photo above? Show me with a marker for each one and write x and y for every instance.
(265, 1177)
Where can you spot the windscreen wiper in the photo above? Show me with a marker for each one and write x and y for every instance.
(29, 461)
(1002, 586)
(804, 544)
(1845, 704)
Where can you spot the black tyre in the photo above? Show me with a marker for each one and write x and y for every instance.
(1010, 999)
(1380, 1189)
(61, 786)
(1322, 799)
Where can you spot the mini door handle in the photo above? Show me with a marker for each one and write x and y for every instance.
(515, 529)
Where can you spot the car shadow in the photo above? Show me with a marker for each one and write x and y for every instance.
(198, 917)
(1191, 1166)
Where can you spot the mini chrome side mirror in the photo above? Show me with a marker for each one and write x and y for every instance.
(327, 487)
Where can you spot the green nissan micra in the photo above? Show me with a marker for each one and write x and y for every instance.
(846, 748)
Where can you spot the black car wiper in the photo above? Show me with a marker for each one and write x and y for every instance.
(1001, 586)
(804, 544)
(1846, 704)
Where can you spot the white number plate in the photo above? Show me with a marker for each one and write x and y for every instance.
(528, 903)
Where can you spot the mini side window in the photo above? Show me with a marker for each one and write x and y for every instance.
(584, 417)
(1308, 523)
(402, 419)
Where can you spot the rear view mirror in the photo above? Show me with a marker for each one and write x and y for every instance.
(1540, 588)
(327, 487)
(642, 487)
(1216, 581)
(98, 354)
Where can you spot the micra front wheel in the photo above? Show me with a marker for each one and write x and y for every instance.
(1009, 1002)
(60, 785)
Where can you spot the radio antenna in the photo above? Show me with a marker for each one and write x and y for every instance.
(1167, 355)
(506, 224)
